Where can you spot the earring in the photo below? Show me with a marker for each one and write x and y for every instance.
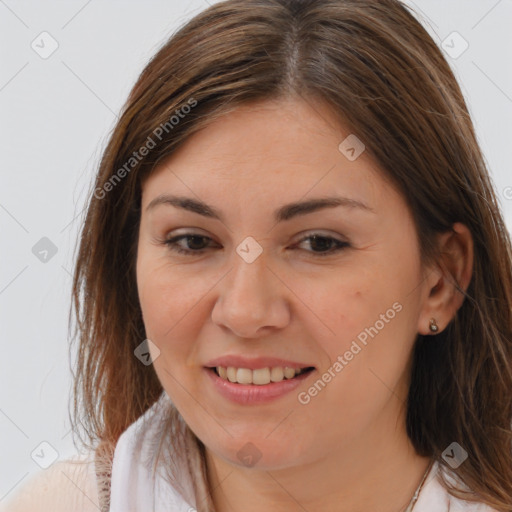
(433, 325)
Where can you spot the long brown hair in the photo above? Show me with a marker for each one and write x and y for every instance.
(378, 69)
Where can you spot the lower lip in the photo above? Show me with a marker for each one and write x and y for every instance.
(252, 393)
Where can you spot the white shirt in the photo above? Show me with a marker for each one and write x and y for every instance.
(71, 485)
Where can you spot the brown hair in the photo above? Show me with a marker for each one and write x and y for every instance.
(378, 69)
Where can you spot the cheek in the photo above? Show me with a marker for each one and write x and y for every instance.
(166, 291)
(371, 312)
(169, 298)
(365, 296)
(169, 302)
(347, 301)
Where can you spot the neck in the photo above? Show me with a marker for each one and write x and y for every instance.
(371, 475)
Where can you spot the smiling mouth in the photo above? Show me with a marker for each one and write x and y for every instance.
(259, 376)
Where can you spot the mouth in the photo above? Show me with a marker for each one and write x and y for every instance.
(257, 385)
(259, 376)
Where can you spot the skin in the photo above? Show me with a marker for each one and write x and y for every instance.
(347, 449)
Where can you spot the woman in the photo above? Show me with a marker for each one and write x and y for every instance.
(294, 224)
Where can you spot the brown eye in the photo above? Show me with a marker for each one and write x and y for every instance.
(195, 244)
(324, 245)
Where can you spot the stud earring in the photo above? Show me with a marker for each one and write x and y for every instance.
(433, 325)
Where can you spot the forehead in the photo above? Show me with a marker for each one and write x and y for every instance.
(272, 150)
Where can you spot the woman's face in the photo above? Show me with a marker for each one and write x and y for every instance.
(256, 292)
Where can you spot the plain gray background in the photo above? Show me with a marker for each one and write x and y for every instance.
(56, 114)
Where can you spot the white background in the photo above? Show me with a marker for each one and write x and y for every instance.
(56, 114)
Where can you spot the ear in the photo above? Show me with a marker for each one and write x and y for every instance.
(453, 270)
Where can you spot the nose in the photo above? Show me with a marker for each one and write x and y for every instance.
(252, 300)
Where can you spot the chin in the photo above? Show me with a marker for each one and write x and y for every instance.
(259, 453)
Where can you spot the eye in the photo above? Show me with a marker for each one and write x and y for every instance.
(326, 244)
(197, 240)
(322, 245)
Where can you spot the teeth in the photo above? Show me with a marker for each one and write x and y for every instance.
(277, 374)
(244, 376)
(231, 374)
(289, 373)
(259, 376)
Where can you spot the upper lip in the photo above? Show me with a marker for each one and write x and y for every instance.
(254, 362)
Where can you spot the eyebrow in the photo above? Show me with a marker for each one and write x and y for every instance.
(286, 212)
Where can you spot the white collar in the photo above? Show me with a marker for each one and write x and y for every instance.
(134, 485)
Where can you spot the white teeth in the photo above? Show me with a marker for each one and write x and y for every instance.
(289, 373)
(277, 374)
(231, 374)
(259, 376)
(244, 376)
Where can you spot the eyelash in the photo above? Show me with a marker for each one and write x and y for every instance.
(172, 244)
